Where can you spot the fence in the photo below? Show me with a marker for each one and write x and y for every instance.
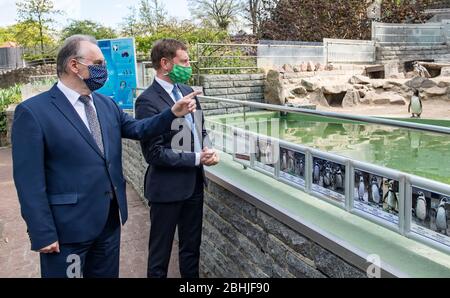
(244, 58)
(11, 58)
(349, 51)
(428, 33)
(407, 188)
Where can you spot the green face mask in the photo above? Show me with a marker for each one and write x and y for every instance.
(180, 74)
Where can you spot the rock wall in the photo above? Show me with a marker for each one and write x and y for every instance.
(240, 87)
(22, 75)
(239, 240)
(403, 53)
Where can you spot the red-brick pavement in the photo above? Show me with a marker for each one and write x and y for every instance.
(17, 260)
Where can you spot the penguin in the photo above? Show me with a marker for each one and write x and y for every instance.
(420, 70)
(298, 167)
(316, 172)
(375, 190)
(441, 216)
(390, 198)
(291, 167)
(339, 178)
(327, 179)
(362, 195)
(301, 168)
(284, 161)
(421, 207)
(415, 105)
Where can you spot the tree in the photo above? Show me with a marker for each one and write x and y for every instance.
(38, 12)
(89, 28)
(152, 15)
(221, 12)
(256, 11)
(130, 24)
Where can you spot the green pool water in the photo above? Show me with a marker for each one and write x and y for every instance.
(411, 151)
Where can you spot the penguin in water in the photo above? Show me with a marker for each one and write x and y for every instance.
(375, 190)
(390, 198)
(415, 105)
(362, 194)
(421, 207)
(316, 172)
(441, 216)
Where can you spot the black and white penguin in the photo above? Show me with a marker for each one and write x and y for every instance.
(339, 178)
(327, 179)
(415, 105)
(375, 190)
(316, 172)
(362, 194)
(390, 198)
(441, 216)
(299, 167)
(421, 207)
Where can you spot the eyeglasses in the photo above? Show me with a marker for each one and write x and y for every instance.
(100, 62)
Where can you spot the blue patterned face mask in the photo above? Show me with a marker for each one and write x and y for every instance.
(98, 75)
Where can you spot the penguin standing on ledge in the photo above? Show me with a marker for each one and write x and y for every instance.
(415, 105)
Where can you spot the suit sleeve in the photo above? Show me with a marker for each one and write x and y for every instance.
(29, 177)
(146, 128)
(155, 150)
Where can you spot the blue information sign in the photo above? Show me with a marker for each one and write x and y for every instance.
(120, 57)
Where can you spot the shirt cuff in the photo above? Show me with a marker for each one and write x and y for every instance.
(197, 159)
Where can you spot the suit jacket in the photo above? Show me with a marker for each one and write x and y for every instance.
(64, 182)
(172, 174)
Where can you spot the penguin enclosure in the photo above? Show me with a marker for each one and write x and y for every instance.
(395, 176)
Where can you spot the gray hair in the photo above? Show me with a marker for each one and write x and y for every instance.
(69, 50)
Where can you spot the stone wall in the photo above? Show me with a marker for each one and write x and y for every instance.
(22, 75)
(239, 86)
(411, 53)
(239, 240)
(9, 121)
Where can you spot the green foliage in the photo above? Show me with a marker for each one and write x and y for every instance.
(88, 28)
(186, 32)
(8, 96)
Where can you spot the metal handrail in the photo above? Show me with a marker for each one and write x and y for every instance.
(368, 119)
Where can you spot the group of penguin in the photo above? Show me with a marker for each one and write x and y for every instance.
(328, 175)
(376, 193)
(293, 165)
(421, 212)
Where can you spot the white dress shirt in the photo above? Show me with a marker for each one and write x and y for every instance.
(168, 87)
(74, 99)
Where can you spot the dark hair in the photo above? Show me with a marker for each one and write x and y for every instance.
(165, 48)
(69, 50)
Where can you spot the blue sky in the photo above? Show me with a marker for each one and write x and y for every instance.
(107, 12)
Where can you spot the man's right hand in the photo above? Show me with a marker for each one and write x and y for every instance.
(52, 248)
(186, 105)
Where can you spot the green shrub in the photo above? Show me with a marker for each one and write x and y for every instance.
(8, 96)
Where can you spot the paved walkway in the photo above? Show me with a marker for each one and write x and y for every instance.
(16, 258)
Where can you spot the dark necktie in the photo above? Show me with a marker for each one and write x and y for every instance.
(93, 122)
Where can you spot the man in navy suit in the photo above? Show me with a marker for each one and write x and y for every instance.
(175, 178)
(67, 162)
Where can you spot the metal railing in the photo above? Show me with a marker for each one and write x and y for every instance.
(400, 221)
(367, 119)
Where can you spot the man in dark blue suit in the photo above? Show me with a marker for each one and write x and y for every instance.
(67, 161)
(175, 178)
